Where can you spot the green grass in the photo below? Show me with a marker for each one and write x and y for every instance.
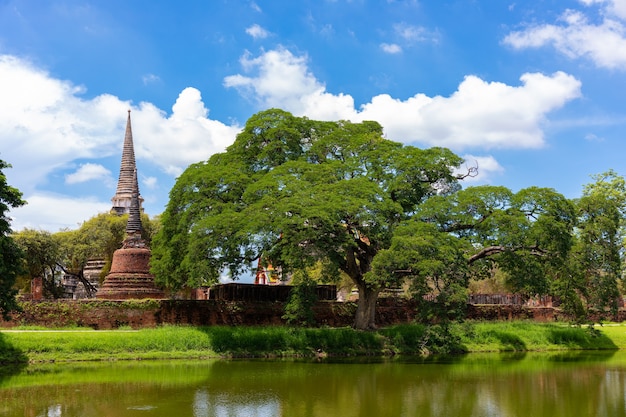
(178, 342)
(61, 345)
(529, 336)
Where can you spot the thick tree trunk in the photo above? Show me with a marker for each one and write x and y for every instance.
(365, 318)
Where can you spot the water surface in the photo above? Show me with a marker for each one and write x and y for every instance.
(528, 385)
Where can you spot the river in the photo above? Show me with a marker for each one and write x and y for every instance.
(481, 385)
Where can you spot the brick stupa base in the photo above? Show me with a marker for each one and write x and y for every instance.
(130, 276)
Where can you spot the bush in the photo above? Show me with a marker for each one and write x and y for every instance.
(303, 296)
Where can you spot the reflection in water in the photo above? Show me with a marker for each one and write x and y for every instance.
(223, 405)
(537, 385)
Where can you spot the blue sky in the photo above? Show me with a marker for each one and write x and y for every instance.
(533, 92)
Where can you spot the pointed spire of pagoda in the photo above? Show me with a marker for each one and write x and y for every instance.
(128, 175)
(133, 226)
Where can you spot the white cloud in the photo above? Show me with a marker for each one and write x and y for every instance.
(283, 80)
(55, 212)
(257, 32)
(615, 8)
(592, 137)
(89, 172)
(391, 48)
(405, 36)
(150, 78)
(413, 34)
(479, 114)
(576, 37)
(187, 136)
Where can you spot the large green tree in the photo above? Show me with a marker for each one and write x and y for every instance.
(10, 254)
(298, 192)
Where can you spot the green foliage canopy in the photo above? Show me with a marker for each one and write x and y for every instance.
(42, 254)
(597, 259)
(455, 237)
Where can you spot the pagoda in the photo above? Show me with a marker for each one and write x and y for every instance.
(129, 277)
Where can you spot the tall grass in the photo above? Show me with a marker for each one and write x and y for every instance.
(202, 342)
(293, 340)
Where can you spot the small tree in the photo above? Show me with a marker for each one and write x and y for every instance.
(303, 296)
(41, 252)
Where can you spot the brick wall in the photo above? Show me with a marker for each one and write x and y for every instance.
(107, 314)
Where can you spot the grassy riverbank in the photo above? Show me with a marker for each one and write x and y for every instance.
(172, 342)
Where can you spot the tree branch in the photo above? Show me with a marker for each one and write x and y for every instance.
(496, 249)
(458, 227)
(471, 172)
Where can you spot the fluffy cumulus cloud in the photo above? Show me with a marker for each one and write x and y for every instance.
(54, 212)
(577, 37)
(478, 115)
(282, 80)
(185, 137)
(89, 172)
(46, 126)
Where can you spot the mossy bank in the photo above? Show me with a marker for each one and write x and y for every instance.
(186, 342)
